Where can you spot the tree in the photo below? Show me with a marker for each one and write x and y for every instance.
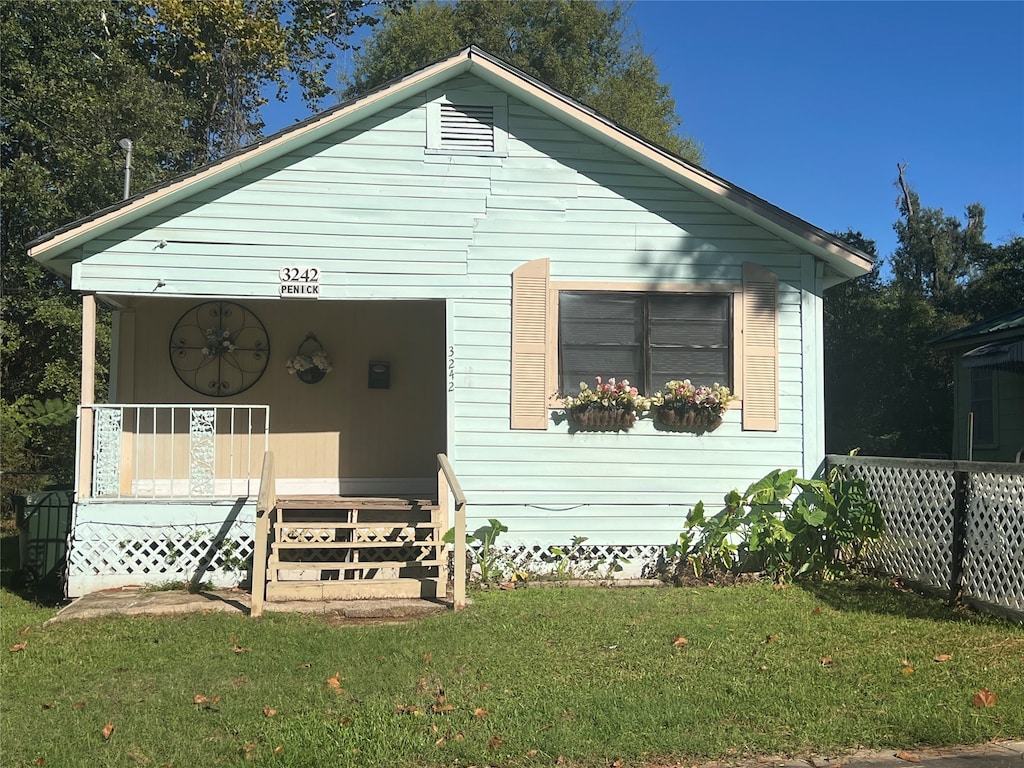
(182, 80)
(579, 47)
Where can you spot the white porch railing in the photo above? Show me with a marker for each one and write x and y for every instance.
(170, 451)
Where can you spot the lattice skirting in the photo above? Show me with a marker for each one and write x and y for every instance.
(586, 561)
(105, 555)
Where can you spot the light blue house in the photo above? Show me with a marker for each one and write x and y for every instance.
(463, 245)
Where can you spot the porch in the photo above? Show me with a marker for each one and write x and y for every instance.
(189, 493)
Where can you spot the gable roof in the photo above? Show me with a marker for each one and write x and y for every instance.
(846, 261)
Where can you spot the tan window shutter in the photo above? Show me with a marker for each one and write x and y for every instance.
(529, 345)
(760, 349)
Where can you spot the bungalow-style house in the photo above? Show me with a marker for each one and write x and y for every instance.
(988, 388)
(457, 249)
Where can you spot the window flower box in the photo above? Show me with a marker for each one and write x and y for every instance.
(686, 408)
(611, 406)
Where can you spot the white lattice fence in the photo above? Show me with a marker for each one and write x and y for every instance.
(951, 525)
(919, 510)
(107, 554)
(994, 555)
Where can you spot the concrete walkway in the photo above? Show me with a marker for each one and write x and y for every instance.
(135, 602)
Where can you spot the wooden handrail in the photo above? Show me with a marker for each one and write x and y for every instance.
(451, 483)
(265, 504)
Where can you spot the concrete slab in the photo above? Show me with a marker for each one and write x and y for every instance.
(138, 602)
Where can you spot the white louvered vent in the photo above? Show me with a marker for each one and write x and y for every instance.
(467, 127)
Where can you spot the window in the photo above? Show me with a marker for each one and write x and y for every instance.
(648, 338)
(564, 333)
(983, 405)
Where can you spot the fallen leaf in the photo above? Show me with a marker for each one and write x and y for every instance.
(763, 667)
(547, 727)
(25, 631)
(560, 760)
(942, 657)
(439, 742)
(39, 761)
(421, 686)
(826, 661)
(335, 684)
(908, 670)
(239, 649)
(984, 698)
(770, 639)
(18, 647)
(817, 610)
(78, 705)
(508, 586)
(679, 641)
(480, 713)
(108, 731)
(304, 666)
(780, 586)
(427, 657)
(409, 709)
(269, 711)
(345, 721)
(439, 708)
(249, 750)
(616, 764)
(902, 755)
(48, 705)
(495, 742)
(459, 736)
(279, 749)
(205, 702)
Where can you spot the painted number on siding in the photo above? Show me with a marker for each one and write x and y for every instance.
(451, 369)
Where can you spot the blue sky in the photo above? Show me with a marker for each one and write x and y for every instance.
(810, 105)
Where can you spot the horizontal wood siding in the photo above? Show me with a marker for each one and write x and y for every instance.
(384, 219)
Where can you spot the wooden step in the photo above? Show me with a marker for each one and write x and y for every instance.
(323, 525)
(348, 565)
(351, 544)
(353, 590)
(354, 502)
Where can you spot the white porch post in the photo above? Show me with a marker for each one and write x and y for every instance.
(88, 395)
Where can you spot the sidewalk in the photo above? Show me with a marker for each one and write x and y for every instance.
(135, 602)
(1001, 754)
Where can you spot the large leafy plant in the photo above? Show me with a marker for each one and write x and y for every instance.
(783, 525)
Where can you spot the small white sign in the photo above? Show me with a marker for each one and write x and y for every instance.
(299, 282)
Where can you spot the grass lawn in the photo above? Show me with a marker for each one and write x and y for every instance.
(519, 679)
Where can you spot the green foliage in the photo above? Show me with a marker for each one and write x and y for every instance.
(491, 561)
(820, 530)
(581, 48)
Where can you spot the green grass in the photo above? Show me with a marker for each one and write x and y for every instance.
(589, 675)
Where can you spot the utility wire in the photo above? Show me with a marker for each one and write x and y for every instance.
(77, 142)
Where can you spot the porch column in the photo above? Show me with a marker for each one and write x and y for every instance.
(88, 395)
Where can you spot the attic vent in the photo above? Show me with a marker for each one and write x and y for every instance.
(467, 127)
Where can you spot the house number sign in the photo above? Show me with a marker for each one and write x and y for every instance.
(299, 282)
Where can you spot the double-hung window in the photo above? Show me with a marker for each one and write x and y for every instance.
(648, 338)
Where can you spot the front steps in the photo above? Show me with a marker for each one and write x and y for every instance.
(345, 548)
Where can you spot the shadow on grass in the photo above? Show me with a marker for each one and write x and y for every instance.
(882, 596)
(47, 594)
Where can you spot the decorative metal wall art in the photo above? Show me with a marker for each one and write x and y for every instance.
(219, 348)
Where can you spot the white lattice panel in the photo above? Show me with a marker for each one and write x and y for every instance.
(994, 556)
(103, 552)
(589, 561)
(918, 506)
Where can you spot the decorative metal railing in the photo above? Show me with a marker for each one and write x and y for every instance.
(170, 451)
(956, 527)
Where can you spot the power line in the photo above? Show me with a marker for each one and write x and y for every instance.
(62, 134)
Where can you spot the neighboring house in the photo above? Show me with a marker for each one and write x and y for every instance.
(464, 244)
(988, 388)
